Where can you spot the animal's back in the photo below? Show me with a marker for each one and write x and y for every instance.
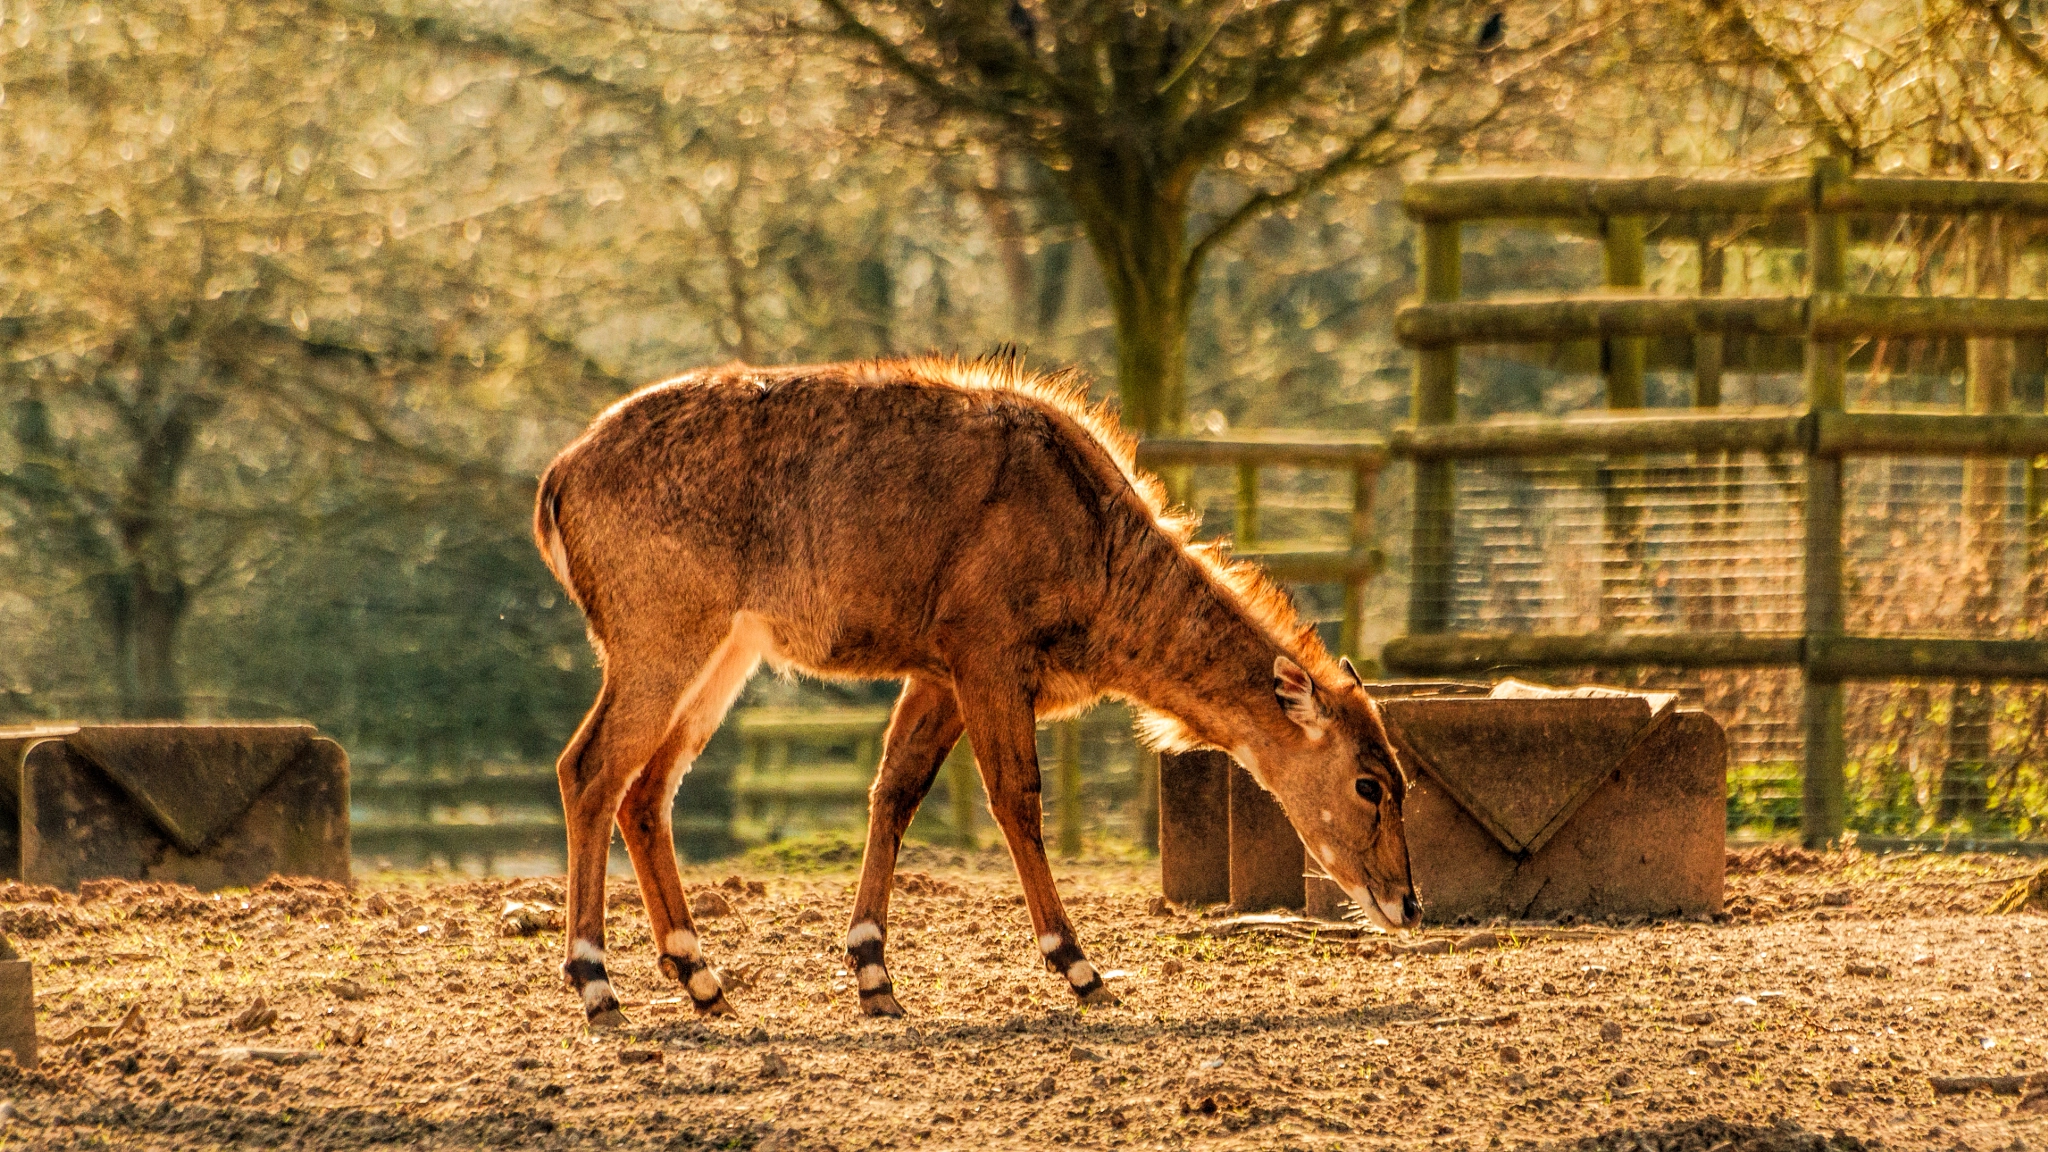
(852, 506)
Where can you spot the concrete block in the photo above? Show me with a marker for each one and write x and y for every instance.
(1194, 827)
(1524, 805)
(14, 745)
(1324, 900)
(213, 806)
(1266, 857)
(18, 1011)
(1533, 809)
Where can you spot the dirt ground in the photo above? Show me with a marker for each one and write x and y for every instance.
(1813, 1018)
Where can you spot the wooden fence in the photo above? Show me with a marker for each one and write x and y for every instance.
(1824, 213)
(778, 772)
(1352, 564)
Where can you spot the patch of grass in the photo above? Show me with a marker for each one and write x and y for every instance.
(817, 852)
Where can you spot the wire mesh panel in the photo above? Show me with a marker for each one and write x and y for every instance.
(1713, 543)
(1938, 547)
(1296, 508)
(1646, 544)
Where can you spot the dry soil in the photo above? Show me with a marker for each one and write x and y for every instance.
(397, 1015)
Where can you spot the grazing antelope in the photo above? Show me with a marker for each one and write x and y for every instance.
(974, 530)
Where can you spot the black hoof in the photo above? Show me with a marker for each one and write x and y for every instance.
(880, 1003)
(1098, 996)
(700, 982)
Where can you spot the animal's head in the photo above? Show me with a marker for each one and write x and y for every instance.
(1343, 790)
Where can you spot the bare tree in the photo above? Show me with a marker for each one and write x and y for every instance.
(1133, 104)
(206, 309)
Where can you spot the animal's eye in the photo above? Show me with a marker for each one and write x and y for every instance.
(1368, 789)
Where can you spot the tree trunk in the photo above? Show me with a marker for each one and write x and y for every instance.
(158, 618)
(152, 563)
(1138, 227)
(1151, 357)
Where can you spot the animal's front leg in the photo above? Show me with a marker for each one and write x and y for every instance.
(1001, 725)
(923, 729)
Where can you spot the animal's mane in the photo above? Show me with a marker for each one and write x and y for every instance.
(1265, 603)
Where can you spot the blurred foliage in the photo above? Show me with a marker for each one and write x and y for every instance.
(296, 298)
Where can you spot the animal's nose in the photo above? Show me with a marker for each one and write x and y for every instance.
(1411, 912)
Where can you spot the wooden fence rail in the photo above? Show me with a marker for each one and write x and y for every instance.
(1827, 317)
(1782, 430)
(1457, 199)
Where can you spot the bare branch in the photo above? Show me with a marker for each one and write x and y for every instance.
(1735, 22)
(466, 40)
(1360, 153)
(925, 78)
(2011, 36)
(1281, 81)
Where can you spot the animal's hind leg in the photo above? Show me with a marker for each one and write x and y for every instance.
(922, 730)
(646, 817)
(634, 713)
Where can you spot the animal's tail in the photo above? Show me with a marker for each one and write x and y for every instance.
(547, 533)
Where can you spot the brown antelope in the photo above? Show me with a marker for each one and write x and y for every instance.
(976, 531)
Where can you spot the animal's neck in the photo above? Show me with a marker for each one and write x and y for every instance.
(1193, 652)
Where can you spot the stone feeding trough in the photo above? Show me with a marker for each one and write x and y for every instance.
(1524, 803)
(210, 805)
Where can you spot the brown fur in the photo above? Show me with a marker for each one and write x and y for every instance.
(977, 531)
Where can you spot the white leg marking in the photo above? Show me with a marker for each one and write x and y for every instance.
(872, 976)
(703, 985)
(681, 942)
(1081, 974)
(862, 933)
(1049, 943)
(596, 992)
(585, 950)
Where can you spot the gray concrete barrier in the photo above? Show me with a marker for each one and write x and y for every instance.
(1523, 804)
(210, 805)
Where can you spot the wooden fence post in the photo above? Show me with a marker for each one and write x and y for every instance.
(1987, 389)
(1435, 401)
(1709, 349)
(1148, 798)
(1720, 512)
(2030, 359)
(1621, 260)
(1070, 787)
(1621, 362)
(1822, 809)
(1247, 532)
(962, 783)
(1194, 827)
(1266, 856)
(1351, 640)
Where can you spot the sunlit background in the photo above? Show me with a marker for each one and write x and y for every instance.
(296, 300)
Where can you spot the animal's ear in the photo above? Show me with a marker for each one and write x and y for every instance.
(1297, 696)
(1344, 662)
